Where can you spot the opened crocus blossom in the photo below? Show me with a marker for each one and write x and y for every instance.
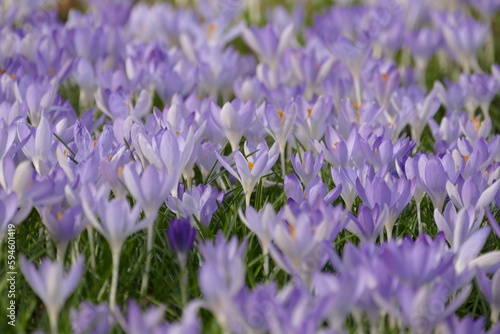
(156, 127)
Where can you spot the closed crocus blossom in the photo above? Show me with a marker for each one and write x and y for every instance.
(432, 178)
(464, 36)
(491, 291)
(261, 224)
(368, 225)
(91, 319)
(150, 190)
(394, 193)
(39, 146)
(180, 235)
(222, 277)
(279, 123)
(116, 221)
(63, 224)
(52, 284)
(250, 170)
(236, 118)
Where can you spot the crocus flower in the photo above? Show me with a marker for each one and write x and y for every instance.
(91, 319)
(394, 193)
(63, 225)
(180, 235)
(149, 189)
(464, 36)
(222, 277)
(369, 223)
(251, 169)
(236, 118)
(115, 220)
(52, 284)
(491, 291)
(262, 225)
(279, 123)
(457, 227)
(469, 194)
(308, 168)
(138, 322)
(198, 203)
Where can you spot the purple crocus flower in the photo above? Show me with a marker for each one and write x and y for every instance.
(181, 235)
(115, 220)
(63, 225)
(52, 284)
(262, 225)
(91, 319)
(469, 194)
(308, 168)
(394, 193)
(458, 227)
(222, 277)
(235, 119)
(464, 36)
(198, 203)
(369, 223)
(279, 124)
(432, 178)
(251, 169)
(491, 291)
(138, 322)
(149, 189)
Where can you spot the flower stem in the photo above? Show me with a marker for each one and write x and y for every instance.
(420, 227)
(115, 252)
(90, 235)
(145, 277)
(53, 316)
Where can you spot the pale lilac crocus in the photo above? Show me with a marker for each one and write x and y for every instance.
(457, 226)
(91, 319)
(116, 221)
(308, 167)
(63, 224)
(491, 291)
(150, 190)
(279, 124)
(235, 119)
(249, 170)
(52, 284)
(261, 224)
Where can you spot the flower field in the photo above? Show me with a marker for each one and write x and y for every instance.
(243, 166)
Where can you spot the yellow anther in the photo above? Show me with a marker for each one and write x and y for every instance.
(110, 157)
(385, 77)
(466, 157)
(292, 232)
(281, 115)
(51, 71)
(211, 30)
(309, 112)
(358, 117)
(250, 165)
(59, 215)
(95, 143)
(120, 171)
(177, 132)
